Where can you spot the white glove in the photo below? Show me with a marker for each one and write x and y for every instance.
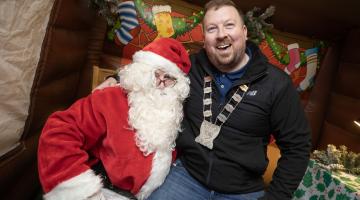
(109, 82)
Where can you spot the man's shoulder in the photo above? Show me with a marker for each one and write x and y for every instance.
(276, 72)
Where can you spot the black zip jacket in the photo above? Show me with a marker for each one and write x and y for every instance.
(238, 159)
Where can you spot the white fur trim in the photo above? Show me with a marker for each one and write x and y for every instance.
(111, 195)
(153, 59)
(160, 169)
(287, 71)
(293, 46)
(161, 8)
(79, 187)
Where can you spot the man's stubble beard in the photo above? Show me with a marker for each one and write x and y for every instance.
(225, 64)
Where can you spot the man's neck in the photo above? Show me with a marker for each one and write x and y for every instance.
(239, 66)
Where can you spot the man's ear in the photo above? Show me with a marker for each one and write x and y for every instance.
(245, 31)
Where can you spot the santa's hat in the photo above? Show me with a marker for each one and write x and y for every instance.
(165, 53)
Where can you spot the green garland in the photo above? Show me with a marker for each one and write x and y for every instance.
(280, 52)
(256, 24)
(106, 8)
(339, 159)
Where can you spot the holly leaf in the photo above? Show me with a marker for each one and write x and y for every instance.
(307, 180)
(342, 197)
(327, 179)
(331, 193)
(299, 193)
(320, 187)
(314, 197)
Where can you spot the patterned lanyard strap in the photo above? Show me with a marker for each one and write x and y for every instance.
(208, 130)
(228, 108)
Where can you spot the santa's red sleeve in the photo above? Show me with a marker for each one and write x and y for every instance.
(63, 158)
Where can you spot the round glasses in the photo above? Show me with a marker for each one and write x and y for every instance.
(164, 79)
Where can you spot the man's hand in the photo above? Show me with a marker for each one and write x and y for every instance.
(109, 82)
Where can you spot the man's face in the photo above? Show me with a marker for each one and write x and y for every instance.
(225, 38)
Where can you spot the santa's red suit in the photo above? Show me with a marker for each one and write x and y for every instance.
(101, 121)
(97, 128)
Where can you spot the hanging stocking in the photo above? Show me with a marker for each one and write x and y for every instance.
(294, 56)
(311, 60)
(128, 19)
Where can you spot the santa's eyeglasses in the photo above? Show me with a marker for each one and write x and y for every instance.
(164, 78)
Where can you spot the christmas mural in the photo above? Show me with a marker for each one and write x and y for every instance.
(133, 24)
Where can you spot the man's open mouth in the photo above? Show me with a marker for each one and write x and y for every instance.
(223, 46)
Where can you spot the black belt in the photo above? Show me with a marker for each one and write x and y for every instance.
(100, 170)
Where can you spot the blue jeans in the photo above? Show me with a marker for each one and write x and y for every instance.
(179, 185)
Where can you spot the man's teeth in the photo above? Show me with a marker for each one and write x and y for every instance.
(223, 46)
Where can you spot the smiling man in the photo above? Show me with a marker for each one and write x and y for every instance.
(237, 99)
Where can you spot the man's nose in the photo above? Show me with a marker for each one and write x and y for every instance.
(221, 34)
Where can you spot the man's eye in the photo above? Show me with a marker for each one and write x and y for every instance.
(211, 29)
(229, 25)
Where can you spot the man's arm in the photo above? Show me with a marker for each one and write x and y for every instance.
(292, 134)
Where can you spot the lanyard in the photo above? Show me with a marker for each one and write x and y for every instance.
(208, 130)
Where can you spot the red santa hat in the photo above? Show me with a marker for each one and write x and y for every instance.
(166, 53)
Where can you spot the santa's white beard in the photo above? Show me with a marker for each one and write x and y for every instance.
(156, 117)
(155, 114)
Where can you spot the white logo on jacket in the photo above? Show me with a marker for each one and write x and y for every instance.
(252, 92)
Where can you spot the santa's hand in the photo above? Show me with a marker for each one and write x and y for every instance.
(109, 82)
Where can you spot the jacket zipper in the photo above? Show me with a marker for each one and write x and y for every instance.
(210, 167)
(211, 160)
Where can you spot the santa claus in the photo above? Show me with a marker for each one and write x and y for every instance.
(130, 130)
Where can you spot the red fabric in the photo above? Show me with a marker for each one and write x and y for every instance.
(95, 127)
(172, 50)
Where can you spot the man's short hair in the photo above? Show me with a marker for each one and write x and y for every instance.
(216, 4)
